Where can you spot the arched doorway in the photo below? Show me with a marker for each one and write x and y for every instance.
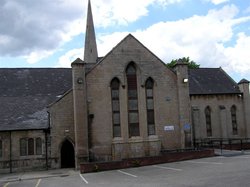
(67, 155)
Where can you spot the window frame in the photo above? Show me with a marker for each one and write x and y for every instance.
(208, 120)
(132, 95)
(39, 147)
(23, 147)
(149, 85)
(234, 120)
(31, 146)
(115, 100)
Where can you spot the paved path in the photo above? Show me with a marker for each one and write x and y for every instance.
(225, 152)
(30, 175)
(229, 170)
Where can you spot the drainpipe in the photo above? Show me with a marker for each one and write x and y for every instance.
(47, 131)
(46, 149)
(90, 120)
(10, 153)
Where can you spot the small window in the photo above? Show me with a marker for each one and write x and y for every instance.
(38, 146)
(23, 147)
(1, 148)
(30, 146)
(234, 120)
(208, 121)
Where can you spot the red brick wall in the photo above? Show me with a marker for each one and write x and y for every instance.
(135, 162)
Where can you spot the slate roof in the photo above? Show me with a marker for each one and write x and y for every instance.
(205, 81)
(26, 92)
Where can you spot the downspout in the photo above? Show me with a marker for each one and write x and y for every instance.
(90, 120)
(46, 149)
(46, 141)
(10, 153)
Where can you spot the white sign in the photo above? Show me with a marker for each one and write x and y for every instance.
(169, 128)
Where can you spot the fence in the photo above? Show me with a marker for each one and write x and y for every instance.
(219, 143)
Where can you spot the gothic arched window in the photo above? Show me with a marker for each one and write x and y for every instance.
(133, 118)
(234, 120)
(150, 106)
(115, 85)
(208, 121)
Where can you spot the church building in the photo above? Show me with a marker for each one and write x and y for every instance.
(126, 104)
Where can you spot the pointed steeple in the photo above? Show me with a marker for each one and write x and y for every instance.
(90, 51)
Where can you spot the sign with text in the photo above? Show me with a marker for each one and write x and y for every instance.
(169, 128)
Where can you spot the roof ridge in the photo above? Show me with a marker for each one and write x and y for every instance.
(37, 68)
(205, 68)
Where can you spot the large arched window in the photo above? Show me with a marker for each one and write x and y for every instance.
(234, 120)
(1, 148)
(115, 85)
(150, 106)
(38, 146)
(133, 118)
(208, 121)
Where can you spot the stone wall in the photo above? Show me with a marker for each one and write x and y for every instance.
(220, 115)
(62, 127)
(99, 101)
(13, 161)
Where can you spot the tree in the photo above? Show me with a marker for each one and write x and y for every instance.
(191, 63)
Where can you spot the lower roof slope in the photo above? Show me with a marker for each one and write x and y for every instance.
(26, 92)
(205, 81)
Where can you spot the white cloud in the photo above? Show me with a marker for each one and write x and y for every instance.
(217, 2)
(72, 29)
(121, 12)
(31, 26)
(36, 29)
(35, 56)
(225, 13)
(239, 55)
(69, 57)
(106, 42)
(42, 28)
(204, 39)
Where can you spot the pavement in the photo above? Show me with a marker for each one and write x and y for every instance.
(31, 175)
(227, 153)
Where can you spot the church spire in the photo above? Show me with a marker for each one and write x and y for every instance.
(90, 51)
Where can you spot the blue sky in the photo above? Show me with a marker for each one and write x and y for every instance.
(45, 33)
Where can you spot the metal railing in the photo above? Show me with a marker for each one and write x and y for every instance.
(220, 143)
